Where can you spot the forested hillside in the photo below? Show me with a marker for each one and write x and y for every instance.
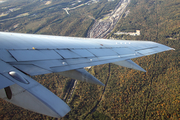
(129, 94)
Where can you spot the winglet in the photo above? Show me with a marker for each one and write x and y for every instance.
(129, 64)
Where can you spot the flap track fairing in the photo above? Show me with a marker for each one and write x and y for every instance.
(82, 75)
(129, 64)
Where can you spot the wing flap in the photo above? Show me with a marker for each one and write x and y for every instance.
(48, 66)
(90, 63)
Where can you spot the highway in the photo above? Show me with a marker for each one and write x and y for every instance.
(105, 25)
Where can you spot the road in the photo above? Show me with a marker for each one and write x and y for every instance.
(104, 26)
(101, 28)
(95, 107)
(18, 16)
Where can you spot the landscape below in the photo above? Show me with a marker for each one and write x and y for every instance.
(129, 94)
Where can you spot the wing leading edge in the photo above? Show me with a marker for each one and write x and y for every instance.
(22, 54)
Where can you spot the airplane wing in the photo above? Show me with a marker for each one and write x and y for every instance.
(24, 55)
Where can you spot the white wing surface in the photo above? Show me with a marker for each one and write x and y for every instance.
(27, 54)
